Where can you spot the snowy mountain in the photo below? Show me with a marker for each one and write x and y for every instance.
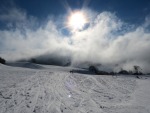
(32, 88)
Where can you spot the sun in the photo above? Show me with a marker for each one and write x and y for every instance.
(77, 21)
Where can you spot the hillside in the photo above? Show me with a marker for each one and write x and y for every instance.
(29, 88)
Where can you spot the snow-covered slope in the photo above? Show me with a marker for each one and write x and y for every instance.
(54, 89)
(25, 65)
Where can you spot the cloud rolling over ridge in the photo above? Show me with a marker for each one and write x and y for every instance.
(107, 40)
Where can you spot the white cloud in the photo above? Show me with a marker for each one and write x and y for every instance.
(12, 15)
(101, 42)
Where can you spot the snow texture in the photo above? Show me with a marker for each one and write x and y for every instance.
(54, 89)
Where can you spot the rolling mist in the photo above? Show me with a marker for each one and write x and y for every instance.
(107, 40)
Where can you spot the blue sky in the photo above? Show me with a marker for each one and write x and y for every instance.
(131, 11)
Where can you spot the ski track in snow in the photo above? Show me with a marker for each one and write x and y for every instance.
(47, 91)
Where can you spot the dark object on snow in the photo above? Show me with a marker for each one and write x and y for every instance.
(2, 60)
(124, 72)
(139, 73)
(71, 71)
(95, 70)
(103, 73)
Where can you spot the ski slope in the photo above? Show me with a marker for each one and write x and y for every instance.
(53, 89)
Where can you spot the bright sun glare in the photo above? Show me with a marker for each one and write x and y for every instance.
(77, 21)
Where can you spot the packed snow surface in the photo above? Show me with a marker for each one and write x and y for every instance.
(52, 89)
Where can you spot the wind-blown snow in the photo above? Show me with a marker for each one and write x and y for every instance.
(54, 89)
(107, 40)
